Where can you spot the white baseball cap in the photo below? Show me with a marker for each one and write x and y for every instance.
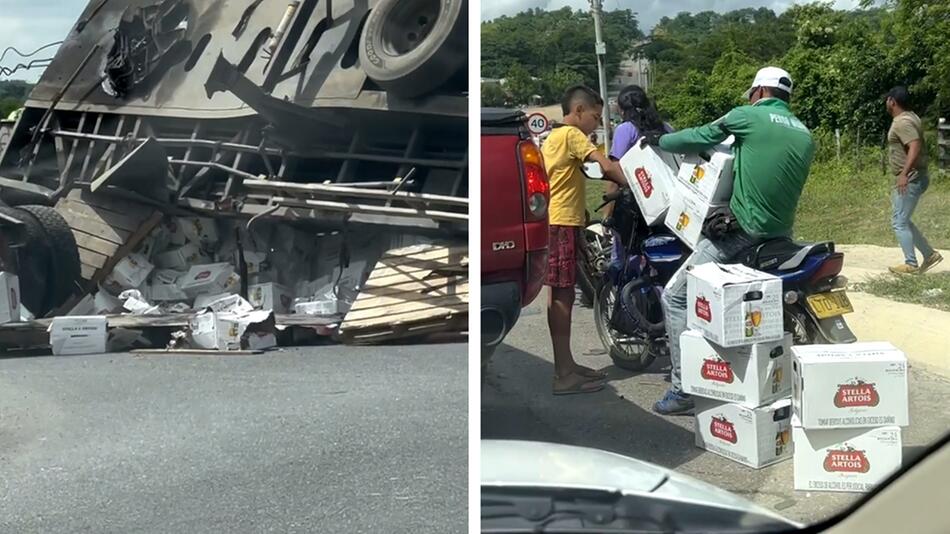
(771, 77)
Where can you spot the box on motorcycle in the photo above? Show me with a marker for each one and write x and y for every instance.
(848, 386)
(651, 174)
(755, 437)
(709, 177)
(751, 375)
(733, 305)
(686, 214)
(847, 459)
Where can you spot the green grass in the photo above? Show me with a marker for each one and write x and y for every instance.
(595, 195)
(932, 290)
(850, 203)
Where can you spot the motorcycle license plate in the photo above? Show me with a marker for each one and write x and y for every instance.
(831, 304)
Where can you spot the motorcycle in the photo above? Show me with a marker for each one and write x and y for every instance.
(628, 312)
(592, 260)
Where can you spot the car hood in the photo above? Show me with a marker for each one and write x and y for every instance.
(534, 464)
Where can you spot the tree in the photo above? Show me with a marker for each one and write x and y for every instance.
(555, 81)
(9, 105)
(493, 95)
(520, 85)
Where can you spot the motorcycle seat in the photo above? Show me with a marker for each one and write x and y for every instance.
(783, 254)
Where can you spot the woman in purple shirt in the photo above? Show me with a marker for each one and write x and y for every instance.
(640, 119)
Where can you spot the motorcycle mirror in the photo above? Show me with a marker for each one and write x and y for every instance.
(593, 171)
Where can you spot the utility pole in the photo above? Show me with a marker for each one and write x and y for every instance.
(601, 48)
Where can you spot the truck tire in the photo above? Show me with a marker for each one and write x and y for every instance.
(64, 271)
(410, 47)
(32, 262)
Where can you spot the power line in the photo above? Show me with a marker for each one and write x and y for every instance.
(33, 53)
(36, 63)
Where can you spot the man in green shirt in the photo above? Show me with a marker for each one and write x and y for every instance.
(773, 152)
(907, 158)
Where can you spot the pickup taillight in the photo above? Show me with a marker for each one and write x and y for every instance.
(537, 190)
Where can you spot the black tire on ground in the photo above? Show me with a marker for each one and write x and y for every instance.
(410, 47)
(32, 262)
(65, 272)
(629, 356)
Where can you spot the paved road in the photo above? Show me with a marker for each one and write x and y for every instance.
(517, 404)
(320, 439)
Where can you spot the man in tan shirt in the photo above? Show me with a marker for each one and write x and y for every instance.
(907, 158)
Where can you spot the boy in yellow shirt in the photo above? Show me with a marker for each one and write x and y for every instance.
(565, 151)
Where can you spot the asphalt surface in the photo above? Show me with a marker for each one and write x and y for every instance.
(318, 439)
(517, 404)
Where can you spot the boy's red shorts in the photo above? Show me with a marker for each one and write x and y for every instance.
(562, 256)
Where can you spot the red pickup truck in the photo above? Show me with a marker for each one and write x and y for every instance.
(515, 196)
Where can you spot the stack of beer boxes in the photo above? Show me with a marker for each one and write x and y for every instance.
(702, 184)
(848, 404)
(736, 359)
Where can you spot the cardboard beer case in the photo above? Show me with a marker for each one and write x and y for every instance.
(751, 375)
(734, 305)
(687, 214)
(651, 174)
(78, 334)
(755, 437)
(848, 386)
(846, 459)
(10, 300)
(211, 278)
(709, 179)
(270, 296)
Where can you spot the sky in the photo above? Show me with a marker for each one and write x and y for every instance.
(30, 24)
(650, 11)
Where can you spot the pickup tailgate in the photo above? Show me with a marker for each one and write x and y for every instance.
(503, 225)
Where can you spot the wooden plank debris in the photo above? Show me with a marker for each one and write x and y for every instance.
(412, 291)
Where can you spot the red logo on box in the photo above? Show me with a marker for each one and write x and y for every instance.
(717, 370)
(846, 460)
(643, 178)
(723, 429)
(202, 275)
(703, 311)
(856, 393)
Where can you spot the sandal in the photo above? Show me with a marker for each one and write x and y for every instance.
(590, 373)
(577, 384)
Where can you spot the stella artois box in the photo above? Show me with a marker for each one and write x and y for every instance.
(709, 179)
(271, 296)
(756, 437)
(847, 459)
(847, 386)
(734, 305)
(751, 375)
(651, 174)
(211, 278)
(687, 214)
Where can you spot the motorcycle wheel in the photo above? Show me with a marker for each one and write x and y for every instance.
(592, 258)
(629, 356)
(802, 328)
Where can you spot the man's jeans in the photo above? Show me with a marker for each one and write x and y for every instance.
(907, 233)
(674, 296)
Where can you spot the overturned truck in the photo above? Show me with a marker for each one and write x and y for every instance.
(303, 143)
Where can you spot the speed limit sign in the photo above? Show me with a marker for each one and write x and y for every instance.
(537, 123)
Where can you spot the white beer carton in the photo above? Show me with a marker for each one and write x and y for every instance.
(131, 271)
(756, 437)
(687, 214)
(230, 331)
(78, 334)
(651, 174)
(10, 298)
(734, 305)
(211, 278)
(199, 230)
(270, 296)
(848, 386)
(751, 375)
(847, 459)
(710, 180)
(181, 258)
